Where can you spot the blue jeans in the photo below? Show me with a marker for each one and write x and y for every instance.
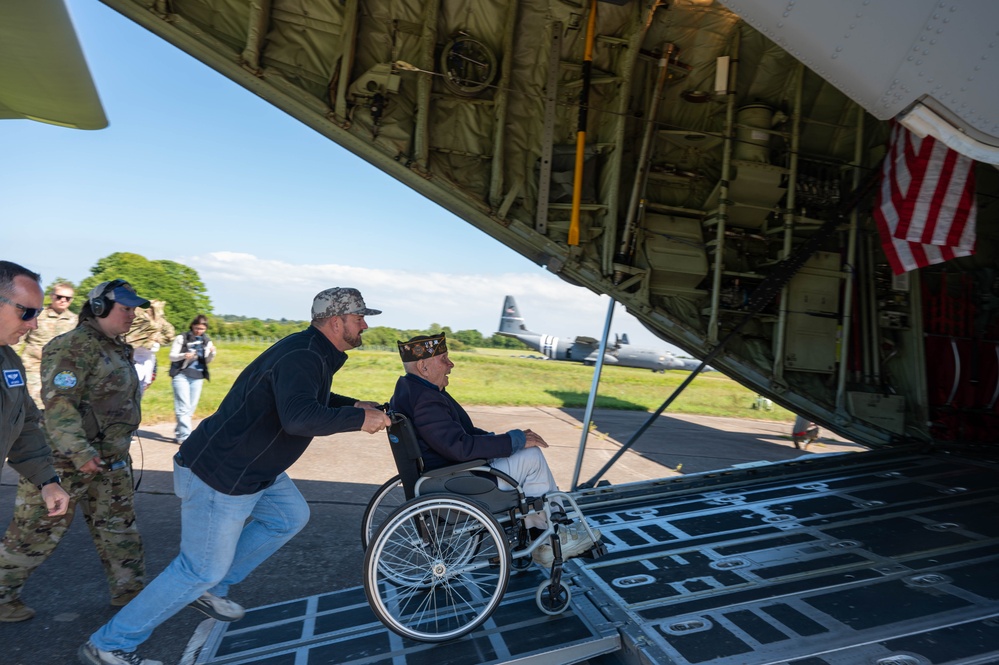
(216, 551)
(186, 393)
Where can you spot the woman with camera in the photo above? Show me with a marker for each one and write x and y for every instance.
(189, 358)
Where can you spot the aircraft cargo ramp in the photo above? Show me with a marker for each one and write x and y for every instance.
(886, 558)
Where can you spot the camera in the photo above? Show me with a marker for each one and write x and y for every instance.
(197, 346)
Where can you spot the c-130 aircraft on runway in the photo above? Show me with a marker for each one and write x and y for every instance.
(585, 349)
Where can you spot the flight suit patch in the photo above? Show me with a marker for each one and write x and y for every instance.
(13, 378)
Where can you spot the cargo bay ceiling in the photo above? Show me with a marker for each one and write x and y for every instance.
(711, 155)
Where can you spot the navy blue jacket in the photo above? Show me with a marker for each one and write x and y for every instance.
(279, 402)
(445, 431)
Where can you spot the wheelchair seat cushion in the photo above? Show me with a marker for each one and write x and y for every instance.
(481, 488)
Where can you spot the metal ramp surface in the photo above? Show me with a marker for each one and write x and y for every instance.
(868, 558)
(340, 628)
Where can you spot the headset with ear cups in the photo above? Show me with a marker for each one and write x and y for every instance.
(100, 304)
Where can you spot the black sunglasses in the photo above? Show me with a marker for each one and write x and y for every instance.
(27, 313)
(56, 296)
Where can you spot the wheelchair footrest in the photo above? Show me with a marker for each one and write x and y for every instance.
(598, 550)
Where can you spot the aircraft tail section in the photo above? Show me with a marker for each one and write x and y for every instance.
(511, 322)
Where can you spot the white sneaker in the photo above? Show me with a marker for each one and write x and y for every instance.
(221, 609)
(91, 655)
(574, 540)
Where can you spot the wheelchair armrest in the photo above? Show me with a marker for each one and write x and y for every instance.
(455, 468)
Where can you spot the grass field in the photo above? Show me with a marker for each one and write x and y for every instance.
(490, 377)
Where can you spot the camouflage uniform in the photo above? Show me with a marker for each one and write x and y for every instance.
(150, 330)
(50, 325)
(91, 397)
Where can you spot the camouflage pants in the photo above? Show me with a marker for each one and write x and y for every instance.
(33, 377)
(106, 500)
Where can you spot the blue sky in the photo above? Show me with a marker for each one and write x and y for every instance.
(196, 169)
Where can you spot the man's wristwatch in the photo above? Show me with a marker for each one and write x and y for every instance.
(53, 479)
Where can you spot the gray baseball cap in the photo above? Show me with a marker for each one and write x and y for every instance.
(339, 301)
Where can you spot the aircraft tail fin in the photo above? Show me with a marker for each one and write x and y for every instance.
(511, 322)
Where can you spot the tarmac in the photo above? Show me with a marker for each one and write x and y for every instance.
(337, 476)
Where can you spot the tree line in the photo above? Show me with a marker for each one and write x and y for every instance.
(185, 295)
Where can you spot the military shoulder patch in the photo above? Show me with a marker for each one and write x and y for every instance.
(13, 378)
(64, 380)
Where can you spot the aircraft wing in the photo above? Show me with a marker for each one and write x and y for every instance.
(586, 341)
(44, 76)
(716, 184)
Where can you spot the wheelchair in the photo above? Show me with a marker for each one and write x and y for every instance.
(436, 566)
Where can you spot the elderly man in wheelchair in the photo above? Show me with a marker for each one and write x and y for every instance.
(478, 504)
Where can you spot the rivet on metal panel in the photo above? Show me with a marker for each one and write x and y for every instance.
(641, 512)
(727, 500)
(632, 581)
(729, 564)
(844, 544)
(901, 659)
(943, 526)
(686, 626)
(927, 579)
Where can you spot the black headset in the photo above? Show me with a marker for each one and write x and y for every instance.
(100, 304)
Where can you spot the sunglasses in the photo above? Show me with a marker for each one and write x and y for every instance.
(27, 313)
(59, 297)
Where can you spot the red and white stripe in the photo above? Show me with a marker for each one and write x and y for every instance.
(926, 207)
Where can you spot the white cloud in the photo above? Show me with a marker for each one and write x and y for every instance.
(245, 284)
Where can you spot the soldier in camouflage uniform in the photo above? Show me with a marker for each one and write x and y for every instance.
(150, 330)
(53, 321)
(91, 395)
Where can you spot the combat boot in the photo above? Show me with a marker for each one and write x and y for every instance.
(15, 611)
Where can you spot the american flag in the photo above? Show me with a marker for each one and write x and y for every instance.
(926, 207)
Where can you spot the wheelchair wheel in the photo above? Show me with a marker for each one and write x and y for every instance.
(437, 568)
(387, 498)
(553, 600)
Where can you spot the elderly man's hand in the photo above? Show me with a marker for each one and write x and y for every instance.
(534, 440)
(374, 421)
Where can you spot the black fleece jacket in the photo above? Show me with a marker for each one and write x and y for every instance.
(273, 410)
